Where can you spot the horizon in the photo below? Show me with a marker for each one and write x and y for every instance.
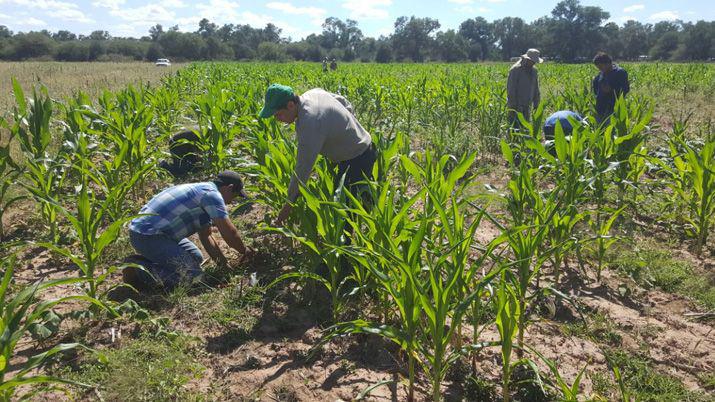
(131, 18)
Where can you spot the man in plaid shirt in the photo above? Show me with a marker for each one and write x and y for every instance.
(161, 234)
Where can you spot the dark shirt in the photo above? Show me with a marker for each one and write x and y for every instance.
(607, 87)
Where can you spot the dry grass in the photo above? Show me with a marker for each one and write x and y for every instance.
(64, 79)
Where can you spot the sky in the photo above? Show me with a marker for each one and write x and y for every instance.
(297, 19)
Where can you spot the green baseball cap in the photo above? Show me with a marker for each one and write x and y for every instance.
(277, 96)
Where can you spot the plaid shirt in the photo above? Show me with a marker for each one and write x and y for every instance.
(181, 211)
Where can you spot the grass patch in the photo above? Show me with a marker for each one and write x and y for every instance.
(644, 382)
(144, 369)
(598, 328)
(232, 307)
(654, 266)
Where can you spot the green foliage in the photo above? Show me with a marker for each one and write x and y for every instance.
(20, 314)
(144, 369)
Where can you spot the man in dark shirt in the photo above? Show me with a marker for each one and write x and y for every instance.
(608, 85)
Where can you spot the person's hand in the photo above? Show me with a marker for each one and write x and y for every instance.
(282, 215)
(221, 261)
(248, 254)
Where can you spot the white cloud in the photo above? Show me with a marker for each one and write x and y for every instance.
(625, 19)
(664, 16)
(461, 1)
(71, 15)
(495, 1)
(291, 9)
(149, 14)
(32, 21)
(316, 14)
(111, 4)
(472, 10)
(54, 8)
(633, 8)
(367, 9)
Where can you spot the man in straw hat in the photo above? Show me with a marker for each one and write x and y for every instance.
(522, 87)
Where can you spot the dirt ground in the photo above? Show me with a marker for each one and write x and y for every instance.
(272, 360)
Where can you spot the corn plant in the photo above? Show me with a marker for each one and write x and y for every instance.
(19, 311)
(88, 221)
(573, 177)
(123, 125)
(508, 315)
(531, 215)
(321, 224)
(567, 392)
(8, 177)
(692, 179)
(44, 174)
(215, 114)
(425, 270)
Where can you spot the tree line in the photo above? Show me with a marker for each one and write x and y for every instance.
(571, 33)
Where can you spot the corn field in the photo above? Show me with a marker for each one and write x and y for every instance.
(437, 262)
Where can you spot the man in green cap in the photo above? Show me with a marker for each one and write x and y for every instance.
(324, 124)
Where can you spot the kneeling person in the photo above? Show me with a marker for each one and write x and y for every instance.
(173, 215)
(564, 118)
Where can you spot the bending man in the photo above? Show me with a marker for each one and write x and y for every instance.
(325, 125)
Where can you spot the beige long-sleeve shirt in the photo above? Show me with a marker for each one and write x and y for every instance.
(522, 87)
(327, 126)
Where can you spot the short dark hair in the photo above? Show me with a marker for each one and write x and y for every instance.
(295, 99)
(602, 58)
(228, 177)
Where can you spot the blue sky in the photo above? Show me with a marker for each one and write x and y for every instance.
(300, 18)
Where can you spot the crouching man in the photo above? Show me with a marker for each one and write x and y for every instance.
(161, 235)
(324, 125)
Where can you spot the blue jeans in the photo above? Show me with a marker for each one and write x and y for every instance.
(173, 261)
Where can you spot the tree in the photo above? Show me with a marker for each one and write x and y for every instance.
(72, 51)
(5, 33)
(697, 41)
(577, 28)
(154, 52)
(412, 38)
(666, 46)
(206, 28)
(99, 35)
(155, 32)
(480, 35)
(32, 44)
(64, 36)
(634, 37)
(384, 52)
(451, 47)
(512, 35)
(270, 51)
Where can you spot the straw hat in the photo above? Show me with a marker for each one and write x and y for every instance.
(533, 55)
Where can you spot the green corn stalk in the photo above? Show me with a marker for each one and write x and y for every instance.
(8, 177)
(44, 174)
(19, 311)
(215, 113)
(321, 228)
(692, 179)
(88, 223)
(123, 125)
(428, 287)
(568, 392)
(508, 315)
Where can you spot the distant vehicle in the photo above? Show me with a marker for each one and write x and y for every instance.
(162, 63)
(643, 58)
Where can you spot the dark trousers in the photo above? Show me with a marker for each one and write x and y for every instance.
(356, 170)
